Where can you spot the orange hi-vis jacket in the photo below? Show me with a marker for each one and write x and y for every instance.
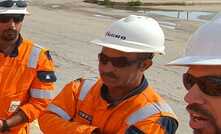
(26, 83)
(80, 109)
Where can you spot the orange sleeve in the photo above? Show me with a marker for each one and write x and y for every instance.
(60, 120)
(40, 90)
(51, 123)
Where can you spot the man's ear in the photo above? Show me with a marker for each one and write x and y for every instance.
(145, 65)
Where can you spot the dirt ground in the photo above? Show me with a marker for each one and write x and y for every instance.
(67, 26)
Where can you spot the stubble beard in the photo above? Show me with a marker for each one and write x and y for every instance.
(215, 129)
(9, 35)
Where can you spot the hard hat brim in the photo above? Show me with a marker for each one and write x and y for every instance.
(14, 11)
(195, 60)
(124, 48)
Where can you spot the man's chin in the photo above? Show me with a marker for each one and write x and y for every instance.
(203, 125)
(199, 131)
(207, 131)
(110, 85)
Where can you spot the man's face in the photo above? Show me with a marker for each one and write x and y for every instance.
(119, 73)
(204, 109)
(10, 26)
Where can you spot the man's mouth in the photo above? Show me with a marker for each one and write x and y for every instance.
(10, 35)
(109, 76)
(108, 79)
(198, 121)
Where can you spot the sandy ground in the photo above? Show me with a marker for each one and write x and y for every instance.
(67, 26)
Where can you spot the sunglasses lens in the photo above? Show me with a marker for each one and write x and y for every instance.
(21, 3)
(6, 4)
(4, 19)
(18, 18)
(188, 81)
(210, 85)
(102, 58)
(120, 62)
(7, 18)
(10, 3)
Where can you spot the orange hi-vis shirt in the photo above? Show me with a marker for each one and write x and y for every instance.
(26, 83)
(80, 109)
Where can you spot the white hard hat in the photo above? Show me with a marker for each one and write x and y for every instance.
(13, 7)
(204, 47)
(134, 34)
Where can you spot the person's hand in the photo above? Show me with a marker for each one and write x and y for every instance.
(1, 125)
(5, 133)
(96, 131)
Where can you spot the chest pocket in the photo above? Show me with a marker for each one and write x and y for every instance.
(81, 116)
(15, 75)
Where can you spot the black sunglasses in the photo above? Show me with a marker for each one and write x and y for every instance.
(210, 85)
(119, 62)
(4, 18)
(10, 3)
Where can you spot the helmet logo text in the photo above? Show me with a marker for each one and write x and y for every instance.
(118, 36)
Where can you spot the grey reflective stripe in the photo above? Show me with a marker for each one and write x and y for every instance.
(87, 85)
(147, 111)
(41, 94)
(59, 111)
(34, 57)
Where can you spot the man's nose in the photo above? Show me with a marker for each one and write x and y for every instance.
(194, 95)
(11, 24)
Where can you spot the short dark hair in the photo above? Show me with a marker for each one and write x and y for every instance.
(145, 56)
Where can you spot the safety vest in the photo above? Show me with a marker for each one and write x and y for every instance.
(20, 87)
(81, 103)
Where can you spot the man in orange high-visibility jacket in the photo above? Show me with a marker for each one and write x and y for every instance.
(121, 100)
(26, 72)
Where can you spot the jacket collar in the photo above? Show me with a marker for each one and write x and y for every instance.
(105, 94)
(17, 43)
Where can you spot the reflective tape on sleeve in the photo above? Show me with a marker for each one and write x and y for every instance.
(41, 94)
(147, 111)
(87, 85)
(33, 60)
(59, 111)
